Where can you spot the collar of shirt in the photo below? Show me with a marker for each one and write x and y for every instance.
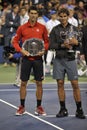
(68, 25)
(29, 25)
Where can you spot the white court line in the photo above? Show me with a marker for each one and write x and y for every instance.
(15, 90)
(36, 117)
(55, 116)
(52, 83)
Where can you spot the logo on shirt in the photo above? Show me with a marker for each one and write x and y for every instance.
(37, 30)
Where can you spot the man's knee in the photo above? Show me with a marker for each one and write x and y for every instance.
(60, 83)
(75, 84)
(23, 83)
(39, 83)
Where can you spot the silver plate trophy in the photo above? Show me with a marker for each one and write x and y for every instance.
(33, 46)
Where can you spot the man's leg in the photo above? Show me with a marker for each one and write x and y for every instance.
(21, 108)
(61, 94)
(39, 94)
(77, 97)
(23, 92)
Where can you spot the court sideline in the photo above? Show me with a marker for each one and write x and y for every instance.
(9, 101)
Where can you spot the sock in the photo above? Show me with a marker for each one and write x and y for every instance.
(38, 103)
(79, 106)
(62, 104)
(22, 102)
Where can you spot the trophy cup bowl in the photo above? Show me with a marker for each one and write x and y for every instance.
(63, 35)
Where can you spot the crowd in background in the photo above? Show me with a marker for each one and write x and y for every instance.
(14, 13)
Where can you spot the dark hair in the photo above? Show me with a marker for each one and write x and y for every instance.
(23, 7)
(32, 8)
(63, 10)
(41, 12)
(15, 6)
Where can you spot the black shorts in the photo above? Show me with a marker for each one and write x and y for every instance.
(28, 65)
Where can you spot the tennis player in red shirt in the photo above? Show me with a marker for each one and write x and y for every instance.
(31, 29)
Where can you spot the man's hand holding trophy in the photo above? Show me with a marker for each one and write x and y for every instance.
(70, 38)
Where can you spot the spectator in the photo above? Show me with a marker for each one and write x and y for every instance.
(71, 19)
(81, 6)
(2, 29)
(23, 15)
(16, 57)
(68, 4)
(23, 19)
(84, 44)
(83, 52)
(50, 24)
(27, 5)
(80, 19)
(8, 9)
(11, 25)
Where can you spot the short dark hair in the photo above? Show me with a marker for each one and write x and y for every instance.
(32, 8)
(23, 7)
(63, 10)
(15, 6)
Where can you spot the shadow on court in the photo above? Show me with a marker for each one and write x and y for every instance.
(9, 101)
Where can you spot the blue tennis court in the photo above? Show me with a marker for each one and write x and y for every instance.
(9, 101)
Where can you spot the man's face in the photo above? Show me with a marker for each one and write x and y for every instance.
(16, 10)
(63, 17)
(23, 12)
(33, 15)
(54, 16)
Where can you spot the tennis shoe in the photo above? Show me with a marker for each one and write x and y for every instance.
(62, 113)
(20, 111)
(40, 111)
(80, 114)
